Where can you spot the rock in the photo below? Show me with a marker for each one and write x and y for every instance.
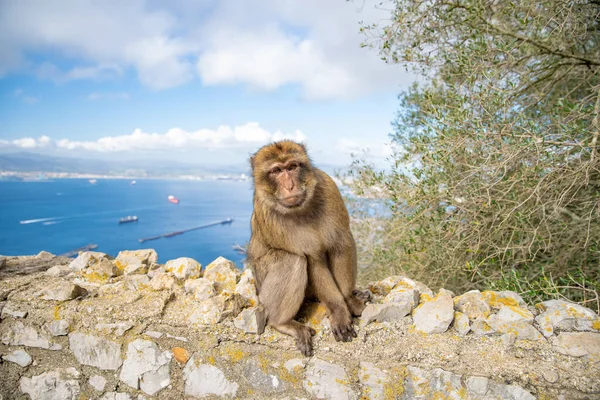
(44, 255)
(52, 385)
(135, 261)
(115, 396)
(503, 298)
(435, 315)
(2, 261)
(508, 339)
(385, 312)
(138, 282)
(87, 259)
(246, 287)
(19, 357)
(201, 288)
(523, 330)
(20, 335)
(398, 283)
(262, 381)
(578, 344)
(58, 328)
(461, 323)
(223, 274)
(58, 271)
(117, 328)
(294, 365)
(437, 383)
(473, 305)
(373, 381)
(63, 291)
(100, 272)
(98, 382)
(162, 281)
(216, 309)
(565, 316)
(180, 354)
(154, 334)
(202, 380)
(481, 328)
(408, 297)
(146, 367)
(184, 268)
(325, 380)
(95, 351)
(251, 320)
(550, 376)
(512, 313)
(9, 311)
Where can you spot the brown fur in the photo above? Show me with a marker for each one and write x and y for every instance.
(301, 243)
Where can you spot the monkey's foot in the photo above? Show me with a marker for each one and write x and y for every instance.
(355, 305)
(342, 328)
(302, 333)
(364, 295)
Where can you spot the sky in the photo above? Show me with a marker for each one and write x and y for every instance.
(199, 81)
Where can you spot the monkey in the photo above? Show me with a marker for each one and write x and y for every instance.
(301, 245)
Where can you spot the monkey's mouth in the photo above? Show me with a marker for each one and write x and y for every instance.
(292, 201)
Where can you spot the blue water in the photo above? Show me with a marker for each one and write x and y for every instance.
(77, 213)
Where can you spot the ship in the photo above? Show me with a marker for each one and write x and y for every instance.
(173, 199)
(129, 218)
(133, 183)
(93, 181)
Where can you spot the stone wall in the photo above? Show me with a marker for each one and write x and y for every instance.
(128, 328)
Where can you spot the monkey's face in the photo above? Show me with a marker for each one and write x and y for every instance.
(283, 175)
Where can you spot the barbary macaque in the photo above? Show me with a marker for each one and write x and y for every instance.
(301, 244)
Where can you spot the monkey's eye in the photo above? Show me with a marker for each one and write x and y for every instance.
(292, 167)
(275, 170)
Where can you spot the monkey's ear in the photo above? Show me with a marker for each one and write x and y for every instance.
(252, 162)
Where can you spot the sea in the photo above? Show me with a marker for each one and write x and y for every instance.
(61, 215)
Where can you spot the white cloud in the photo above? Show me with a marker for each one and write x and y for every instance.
(249, 135)
(359, 148)
(265, 44)
(20, 94)
(108, 95)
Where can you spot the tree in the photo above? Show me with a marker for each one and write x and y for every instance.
(497, 177)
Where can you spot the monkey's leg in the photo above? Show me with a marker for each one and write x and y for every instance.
(342, 262)
(329, 294)
(284, 278)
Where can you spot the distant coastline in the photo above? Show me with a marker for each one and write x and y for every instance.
(40, 176)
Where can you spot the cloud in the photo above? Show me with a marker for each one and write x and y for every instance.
(108, 95)
(27, 142)
(20, 94)
(359, 148)
(224, 137)
(264, 44)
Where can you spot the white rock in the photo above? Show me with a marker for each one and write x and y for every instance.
(477, 385)
(202, 380)
(503, 298)
(578, 344)
(146, 367)
(522, 329)
(52, 385)
(98, 382)
(201, 288)
(435, 315)
(87, 259)
(246, 287)
(223, 274)
(565, 316)
(62, 291)
(398, 283)
(512, 313)
(138, 282)
(18, 334)
(184, 268)
(261, 380)
(373, 379)
(472, 304)
(162, 281)
(19, 357)
(461, 323)
(117, 328)
(44, 255)
(135, 261)
(95, 351)
(58, 271)
(100, 272)
(154, 334)
(384, 312)
(7, 310)
(58, 328)
(325, 380)
(295, 364)
(251, 320)
(216, 309)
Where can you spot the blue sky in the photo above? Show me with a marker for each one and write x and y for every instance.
(193, 80)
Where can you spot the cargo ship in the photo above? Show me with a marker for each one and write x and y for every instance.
(130, 218)
(173, 199)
